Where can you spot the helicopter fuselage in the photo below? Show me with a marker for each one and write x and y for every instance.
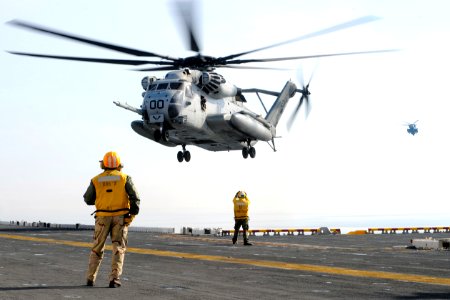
(176, 110)
(412, 129)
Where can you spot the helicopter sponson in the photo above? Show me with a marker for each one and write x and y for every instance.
(250, 124)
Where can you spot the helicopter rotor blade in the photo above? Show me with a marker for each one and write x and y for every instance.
(97, 60)
(304, 98)
(185, 10)
(338, 27)
(243, 61)
(251, 68)
(170, 68)
(294, 114)
(307, 106)
(407, 123)
(81, 39)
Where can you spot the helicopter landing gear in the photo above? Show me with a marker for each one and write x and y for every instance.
(157, 135)
(249, 150)
(161, 134)
(184, 155)
(252, 152)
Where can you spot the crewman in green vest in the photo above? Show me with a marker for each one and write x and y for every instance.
(241, 218)
(117, 203)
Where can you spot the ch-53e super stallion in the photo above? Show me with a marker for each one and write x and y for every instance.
(194, 105)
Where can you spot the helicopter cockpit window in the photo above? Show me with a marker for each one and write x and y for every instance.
(152, 87)
(162, 86)
(176, 85)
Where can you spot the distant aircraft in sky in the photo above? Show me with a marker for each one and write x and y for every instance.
(412, 128)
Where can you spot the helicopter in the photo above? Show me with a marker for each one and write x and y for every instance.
(193, 105)
(412, 128)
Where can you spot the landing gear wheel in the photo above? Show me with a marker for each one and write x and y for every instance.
(249, 150)
(165, 135)
(184, 155)
(187, 156)
(157, 135)
(245, 152)
(252, 152)
(180, 156)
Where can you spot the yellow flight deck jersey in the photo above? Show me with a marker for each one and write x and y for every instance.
(111, 197)
(241, 207)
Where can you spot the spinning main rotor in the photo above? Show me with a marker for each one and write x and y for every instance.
(199, 61)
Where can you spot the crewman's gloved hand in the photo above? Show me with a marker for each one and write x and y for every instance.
(127, 219)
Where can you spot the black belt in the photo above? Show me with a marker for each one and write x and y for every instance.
(115, 210)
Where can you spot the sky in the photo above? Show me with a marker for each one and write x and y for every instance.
(351, 163)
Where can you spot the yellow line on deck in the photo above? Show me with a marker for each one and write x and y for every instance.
(259, 263)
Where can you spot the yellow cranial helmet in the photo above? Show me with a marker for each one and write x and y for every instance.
(241, 194)
(111, 160)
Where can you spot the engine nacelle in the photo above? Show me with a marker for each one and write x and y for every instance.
(215, 86)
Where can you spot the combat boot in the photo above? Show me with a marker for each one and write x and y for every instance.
(235, 236)
(115, 283)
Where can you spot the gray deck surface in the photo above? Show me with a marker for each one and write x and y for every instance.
(51, 264)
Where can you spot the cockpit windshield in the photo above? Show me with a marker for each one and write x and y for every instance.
(166, 86)
(162, 86)
(176, 85)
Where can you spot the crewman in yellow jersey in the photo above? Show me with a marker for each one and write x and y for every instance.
(117, 203)
(241, 218)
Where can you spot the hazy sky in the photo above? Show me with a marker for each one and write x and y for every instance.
(350, 164)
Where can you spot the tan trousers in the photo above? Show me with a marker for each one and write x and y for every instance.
(114, 227)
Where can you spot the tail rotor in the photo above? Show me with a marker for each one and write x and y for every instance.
(304, 98)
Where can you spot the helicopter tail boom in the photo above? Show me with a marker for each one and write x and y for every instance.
(277, 109)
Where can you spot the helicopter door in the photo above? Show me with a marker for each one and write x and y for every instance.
(192, 113)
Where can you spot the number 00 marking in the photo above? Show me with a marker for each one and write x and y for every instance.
(156, 104)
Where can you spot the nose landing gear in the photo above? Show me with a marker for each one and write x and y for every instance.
(184, 155)
(161, 134)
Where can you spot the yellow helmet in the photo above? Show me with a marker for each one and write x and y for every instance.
(111, 160)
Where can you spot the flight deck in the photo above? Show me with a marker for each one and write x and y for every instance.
(51, 264)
